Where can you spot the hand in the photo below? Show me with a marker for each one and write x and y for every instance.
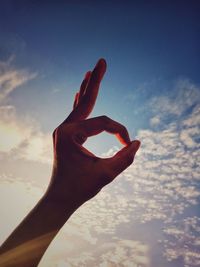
(78, 175)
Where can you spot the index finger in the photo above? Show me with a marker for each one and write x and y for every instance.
(97, 125)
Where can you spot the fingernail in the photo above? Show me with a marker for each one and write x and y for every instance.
(135, 145)
(103, 64)
(102, 61)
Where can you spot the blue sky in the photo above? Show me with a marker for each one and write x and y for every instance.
(142, 43)
(152, 86)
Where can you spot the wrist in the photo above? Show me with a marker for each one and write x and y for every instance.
(64, 203)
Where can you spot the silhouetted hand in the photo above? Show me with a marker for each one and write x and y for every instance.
(78, 175)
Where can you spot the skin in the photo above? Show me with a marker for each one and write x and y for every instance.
(77, 175)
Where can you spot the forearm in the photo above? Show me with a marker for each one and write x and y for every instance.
(29, 241)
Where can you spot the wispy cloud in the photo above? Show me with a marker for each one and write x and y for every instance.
(155, 121)
(12, 78)
(20, 136)
(185, 94)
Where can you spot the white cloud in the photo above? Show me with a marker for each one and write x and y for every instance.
(185, 241)
(186, 95)
(11, 78)
(155, 121)
(122, 253)
(193, 119)
(20, 136)
(15, 192)
(187, 136)
(23, 138)
(110, 152)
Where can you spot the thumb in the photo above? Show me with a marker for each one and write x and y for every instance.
(124, 158)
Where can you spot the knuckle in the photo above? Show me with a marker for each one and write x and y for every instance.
(58, 132)
(105, 118)
(54, 133)
(123, 129)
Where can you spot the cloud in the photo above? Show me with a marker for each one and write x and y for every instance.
(192, 119)
(20, 136)
(156, 198)
(13, 191)
(12, 130)
(122, 253)
(125, 253)
(155, 121)
(184, 241)
(111, 152)
(188, 135)
(185, 94)
(12, 78)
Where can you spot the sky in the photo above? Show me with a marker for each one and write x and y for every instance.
(149, 216)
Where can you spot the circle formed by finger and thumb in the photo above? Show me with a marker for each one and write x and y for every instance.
(96, 125)
(122, 159)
